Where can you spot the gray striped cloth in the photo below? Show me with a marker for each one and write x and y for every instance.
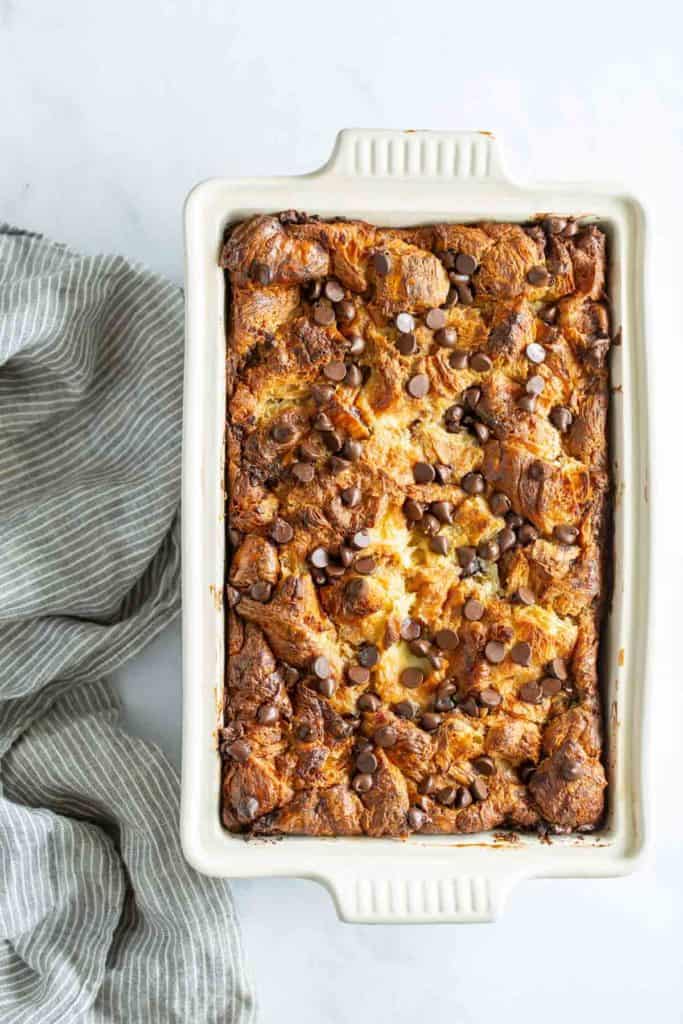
(101, 919)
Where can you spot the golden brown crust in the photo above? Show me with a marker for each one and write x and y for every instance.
(415, 582)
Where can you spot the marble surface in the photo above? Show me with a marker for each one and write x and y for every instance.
(111, 112)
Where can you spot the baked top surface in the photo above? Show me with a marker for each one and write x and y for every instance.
(418, 485)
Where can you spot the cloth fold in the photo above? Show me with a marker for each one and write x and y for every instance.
(101, 918)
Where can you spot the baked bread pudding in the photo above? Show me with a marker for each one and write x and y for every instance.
(418, 505)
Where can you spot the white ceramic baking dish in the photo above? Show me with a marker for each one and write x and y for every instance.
(403, 178)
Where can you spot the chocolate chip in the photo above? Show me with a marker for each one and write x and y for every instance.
(405, 709)
(525, 596)
(410, 629)
(291, 675)
(346, 556)
(435, 319)
(550, 686)
(335, 571)
(382, 263)
(335, 371)
(321, 667)
(326, 687)
(554, 225)
(506, 539)
(480, 362)
(412, 510)
(538, 276)
(346, 311)
(489, 550)
(463, 798)
(406, 344)
(360, 540)
(357, 675)
(248, 808)
(354, 376)
(268, 714)
(527, 403)
(571, 229)
(260, 591)
(239, 751)
(561, 418)
(470, 707)
(499, 503)
(314, 290)
(446, 796)
(521, 653)
(420, 648)
(336, 464)
(367, 762)
(352, 450)
(558, 668)
(282, 433)
(565, 534)
(527, 534)
(446, 337)
(489, 698)
(570, 769)
(365, 565)
(385, 736)
(411, 678)
(451, 298)
(233, 596)
(351, 496)
(535, 385)
(423, 473)
(444, 474)
(418, 386)
(446, 639)
(473, 610)
(405, 323)
(281, 532)
(459, 360)
(465, 555)
(303, 472)
(261, 272)
(465, 294)
(333, 290)
(525, 770)
(430, 721)
(321, 393)
(479, 790)
(548, 314)
(430, 524)
(362, 783)
(439, 545)
(531, 693)
(368, 655)
(465, 264)
(484, 765)
(473, 483)
(481, 431)
(494, 652)
(416, 818)
(323, 314)
(443, 510)
(356, 345)
(369, 702)
(472, 397)
(535, 353)
(318, 558)
(308, 452)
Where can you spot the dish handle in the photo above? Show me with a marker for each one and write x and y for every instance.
(416, 155)
(439, 897)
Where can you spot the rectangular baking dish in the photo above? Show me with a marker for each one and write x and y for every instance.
(404, 178)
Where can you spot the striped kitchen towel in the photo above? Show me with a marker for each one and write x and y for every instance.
(101, 919)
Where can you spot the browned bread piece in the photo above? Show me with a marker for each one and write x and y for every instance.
(418, 496)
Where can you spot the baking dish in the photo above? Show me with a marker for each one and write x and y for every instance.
(402, 178)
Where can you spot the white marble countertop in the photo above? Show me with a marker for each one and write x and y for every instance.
(112, 112)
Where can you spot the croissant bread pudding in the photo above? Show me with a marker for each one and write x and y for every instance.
(418, 505)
